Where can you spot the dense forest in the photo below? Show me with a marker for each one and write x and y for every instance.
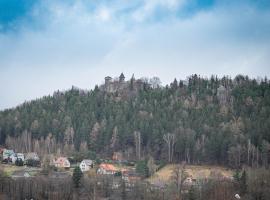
(201, 120)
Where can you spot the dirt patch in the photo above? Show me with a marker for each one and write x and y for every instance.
(193, 171)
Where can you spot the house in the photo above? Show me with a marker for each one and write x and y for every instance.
(16, 156)
(13, 158)
(107, 169)
(32, 156)
(32, 159)
(85, 165)
(62, 162)
(7, 155)
(20, 156)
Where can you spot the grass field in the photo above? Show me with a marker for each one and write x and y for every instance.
(10, 169)
(194, 171)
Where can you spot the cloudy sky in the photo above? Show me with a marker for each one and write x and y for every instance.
(46, 45)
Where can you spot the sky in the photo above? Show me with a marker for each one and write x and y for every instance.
(49, 45)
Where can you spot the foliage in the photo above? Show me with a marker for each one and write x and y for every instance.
(191, 193)
(142, 168)
(243, 182)
(32, 163)
(214, 121)
(19, 162)
(77, 175)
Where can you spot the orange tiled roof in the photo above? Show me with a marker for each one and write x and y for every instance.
(108, 167)
(61, 160)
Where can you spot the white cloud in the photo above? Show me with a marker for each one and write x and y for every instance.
(149, 7)
(79, 46)
(103, 14)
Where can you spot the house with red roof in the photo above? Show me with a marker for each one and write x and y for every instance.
(62, 162)
(107, 169)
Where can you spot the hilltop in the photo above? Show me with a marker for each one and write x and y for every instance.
(200, 120)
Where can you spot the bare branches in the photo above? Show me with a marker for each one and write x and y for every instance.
(169, 138)
(137, 138)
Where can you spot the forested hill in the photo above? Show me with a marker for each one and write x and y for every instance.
(220, 121)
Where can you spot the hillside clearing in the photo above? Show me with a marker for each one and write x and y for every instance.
(194, 171)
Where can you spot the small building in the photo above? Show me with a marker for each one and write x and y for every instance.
(14, 157)
(32, 156)
(32, 159)
(85, 165)
(20, 156)
(107, 169)
(7, 153)
(62, 162)
(7, 156)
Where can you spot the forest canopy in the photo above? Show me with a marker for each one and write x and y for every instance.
(208, 120)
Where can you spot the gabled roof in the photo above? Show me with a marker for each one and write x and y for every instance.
(88, 162)
(8, 152)
(121, 76)
(61, 160)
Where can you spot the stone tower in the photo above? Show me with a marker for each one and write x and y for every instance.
(107, 80)
(121, 78)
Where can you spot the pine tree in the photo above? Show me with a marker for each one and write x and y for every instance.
(142, 168)
(243, 182)
(77, 175)
(191, 193)
(236, 175)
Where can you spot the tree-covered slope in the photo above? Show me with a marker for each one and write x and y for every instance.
(212, 120)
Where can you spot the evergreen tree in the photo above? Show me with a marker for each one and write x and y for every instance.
(243, 183)
(77, 175)
(142, 168)
(192, 193)
(19, 162)
(237, 175)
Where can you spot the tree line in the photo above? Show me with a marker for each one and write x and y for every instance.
(202, 120)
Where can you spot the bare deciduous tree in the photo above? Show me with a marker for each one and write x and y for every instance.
(170, 140)
(137, 138)
(179, 176)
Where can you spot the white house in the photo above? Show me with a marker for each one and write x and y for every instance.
(86, 165)
(13, 158)
(7, 154)
(20, 156)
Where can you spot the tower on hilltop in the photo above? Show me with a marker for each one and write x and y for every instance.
(121, 78)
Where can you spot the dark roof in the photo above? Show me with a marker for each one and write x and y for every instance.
(121, 76)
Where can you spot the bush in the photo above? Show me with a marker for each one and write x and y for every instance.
(118, 173)
(19, 162)
(33, 163)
